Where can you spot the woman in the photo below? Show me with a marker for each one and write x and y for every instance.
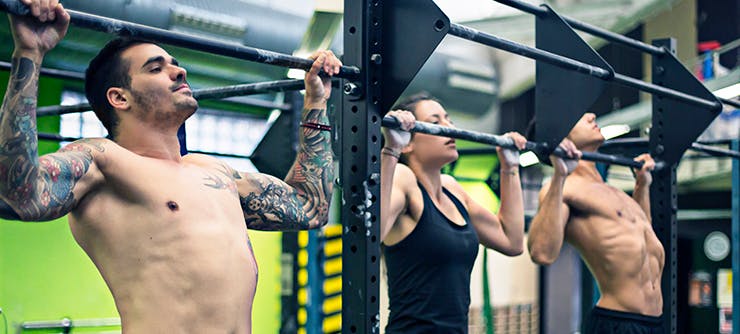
(431, 227)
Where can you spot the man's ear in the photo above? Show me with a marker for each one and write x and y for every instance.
(117, 98)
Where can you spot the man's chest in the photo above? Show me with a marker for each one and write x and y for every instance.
(600, 199)
(174, 187)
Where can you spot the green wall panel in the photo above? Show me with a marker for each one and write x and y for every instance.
(46, 276)
(266, 309)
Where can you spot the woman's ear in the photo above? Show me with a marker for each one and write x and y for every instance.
(117, 98)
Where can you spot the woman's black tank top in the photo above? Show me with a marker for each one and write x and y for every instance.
(429, 273)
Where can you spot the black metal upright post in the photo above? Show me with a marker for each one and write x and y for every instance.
(676, 124)
(289, 283)
(360, 166)
(663, 198)
(735, 145)
(289, 256)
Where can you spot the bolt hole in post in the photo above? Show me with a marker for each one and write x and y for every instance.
(439, 25)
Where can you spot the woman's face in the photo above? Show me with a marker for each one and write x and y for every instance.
(429, 149)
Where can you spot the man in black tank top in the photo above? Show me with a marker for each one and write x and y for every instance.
(431, 228)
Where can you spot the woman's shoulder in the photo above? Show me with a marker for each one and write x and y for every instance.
(449, 182)
(404, 173)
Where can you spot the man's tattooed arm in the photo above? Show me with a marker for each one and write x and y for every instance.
(6, 212)
(35, 188)
(302, 201)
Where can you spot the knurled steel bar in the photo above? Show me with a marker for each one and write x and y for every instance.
(503, 141)
(574, 65)
(113, 26)
(201, 94)
(699, 146)
(50, 72)
(585, 27)
(60, 138)
(729, 102)
(602, 33)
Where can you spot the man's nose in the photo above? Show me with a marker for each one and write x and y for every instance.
(180, 74)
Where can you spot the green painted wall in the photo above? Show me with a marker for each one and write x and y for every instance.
(266, 310)
(45, 275)
(471, 171)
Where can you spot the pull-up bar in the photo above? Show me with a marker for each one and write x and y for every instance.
(50, 72)
(574, 65)
(113, 26)
(696, 146)
(585, 27)
(200, 94)
(506, 142)
(607, 35)
(59, 138)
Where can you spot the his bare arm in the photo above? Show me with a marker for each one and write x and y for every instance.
(547, 229)
(643, 179)
(302, 201)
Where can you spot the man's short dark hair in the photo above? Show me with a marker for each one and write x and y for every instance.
(108, 70)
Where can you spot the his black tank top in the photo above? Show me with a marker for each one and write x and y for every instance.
(429, 273)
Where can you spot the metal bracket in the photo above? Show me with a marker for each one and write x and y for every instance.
(411, 31)
(558, 106)
(683, 122)
(280, 141)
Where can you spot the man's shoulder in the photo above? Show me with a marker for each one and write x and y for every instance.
(91, 145)
(203, 159)
(573, 186)
(213, 164)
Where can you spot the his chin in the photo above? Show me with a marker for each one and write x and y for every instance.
(188, 106)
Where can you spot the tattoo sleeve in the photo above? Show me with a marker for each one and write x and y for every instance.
(35, 188)
(302, 201)
(6, 212)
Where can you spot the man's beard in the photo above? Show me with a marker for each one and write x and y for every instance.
(150, 103)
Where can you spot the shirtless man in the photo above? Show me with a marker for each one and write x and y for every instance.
(168, 233)
(612, 232)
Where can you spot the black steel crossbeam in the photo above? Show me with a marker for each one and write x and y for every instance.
(248, 89)
(699, 146)
(59, 138)
(50, 72)
(201, 94)
(585, 27)
(567, 63)
(503, 141)
(607, 35)
(124, 28)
